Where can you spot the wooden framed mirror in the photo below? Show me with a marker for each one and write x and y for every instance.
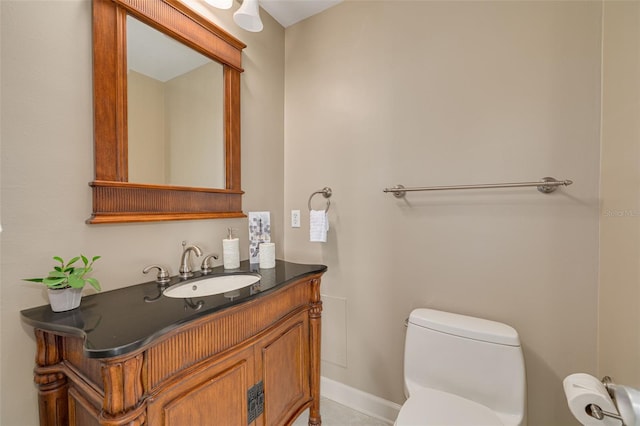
(115, 198)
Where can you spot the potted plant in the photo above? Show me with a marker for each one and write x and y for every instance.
(66, 281)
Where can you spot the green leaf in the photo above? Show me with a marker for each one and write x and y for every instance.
(84, 260)
(57, 274)
(33, 280)
(59, 259)
(95, 258)
(74, 260)
(94, 283)
(50, 281)
(76, 282)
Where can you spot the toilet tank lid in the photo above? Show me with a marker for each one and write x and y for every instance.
(465, 326)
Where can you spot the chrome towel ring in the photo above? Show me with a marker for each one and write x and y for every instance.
(326, 193)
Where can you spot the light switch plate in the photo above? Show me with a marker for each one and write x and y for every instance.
(295, 218)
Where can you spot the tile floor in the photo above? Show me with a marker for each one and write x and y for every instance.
(334, 414)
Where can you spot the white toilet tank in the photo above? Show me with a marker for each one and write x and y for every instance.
(473, 358)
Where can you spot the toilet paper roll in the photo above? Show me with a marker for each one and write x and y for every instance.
(582, 390)
(231, 253)
(267, 255)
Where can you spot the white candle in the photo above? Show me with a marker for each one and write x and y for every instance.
(267, 255)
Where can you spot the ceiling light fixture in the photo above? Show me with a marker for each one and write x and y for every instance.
(247, 16)
(220, 4)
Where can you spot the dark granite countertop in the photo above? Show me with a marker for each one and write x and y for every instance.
(120, 321)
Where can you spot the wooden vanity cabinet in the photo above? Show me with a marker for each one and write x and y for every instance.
(277, 364)
(256, 363)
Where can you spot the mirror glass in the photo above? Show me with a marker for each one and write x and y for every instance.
(175, 99)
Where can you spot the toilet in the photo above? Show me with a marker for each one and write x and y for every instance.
(461, 370)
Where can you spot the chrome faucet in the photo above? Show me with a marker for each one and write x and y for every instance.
(185, 261)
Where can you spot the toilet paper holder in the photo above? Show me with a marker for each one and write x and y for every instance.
(598, 413)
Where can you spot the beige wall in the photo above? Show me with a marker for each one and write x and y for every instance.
(377, 93)
(1, 304)
(619, 300)
(146, 142)
(175, 135)
(47, 161)
(443, 93)
(196, 136)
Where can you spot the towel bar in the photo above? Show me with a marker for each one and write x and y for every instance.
(546, 186)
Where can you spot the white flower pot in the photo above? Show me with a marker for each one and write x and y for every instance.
(64, 299)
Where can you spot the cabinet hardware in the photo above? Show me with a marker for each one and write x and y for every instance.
(255, 401)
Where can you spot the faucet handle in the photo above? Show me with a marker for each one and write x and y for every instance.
(163, 275)
(206, 263)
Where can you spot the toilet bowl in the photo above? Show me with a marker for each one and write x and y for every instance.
(461, 370)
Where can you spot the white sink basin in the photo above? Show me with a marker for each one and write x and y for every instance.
(213, 285)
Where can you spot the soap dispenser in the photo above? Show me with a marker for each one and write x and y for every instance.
(231, 251)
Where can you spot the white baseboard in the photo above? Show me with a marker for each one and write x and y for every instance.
(358, 400)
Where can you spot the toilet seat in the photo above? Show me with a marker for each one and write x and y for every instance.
(432, 407)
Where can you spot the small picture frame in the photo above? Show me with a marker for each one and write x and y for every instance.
(259, 232)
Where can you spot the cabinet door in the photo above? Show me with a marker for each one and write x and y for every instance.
(215, 394)
(282, 363)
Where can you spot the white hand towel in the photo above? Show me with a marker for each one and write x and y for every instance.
(318, 226)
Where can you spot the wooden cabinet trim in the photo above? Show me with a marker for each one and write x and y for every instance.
(78, 402)
(202, 339)
(90, 368)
